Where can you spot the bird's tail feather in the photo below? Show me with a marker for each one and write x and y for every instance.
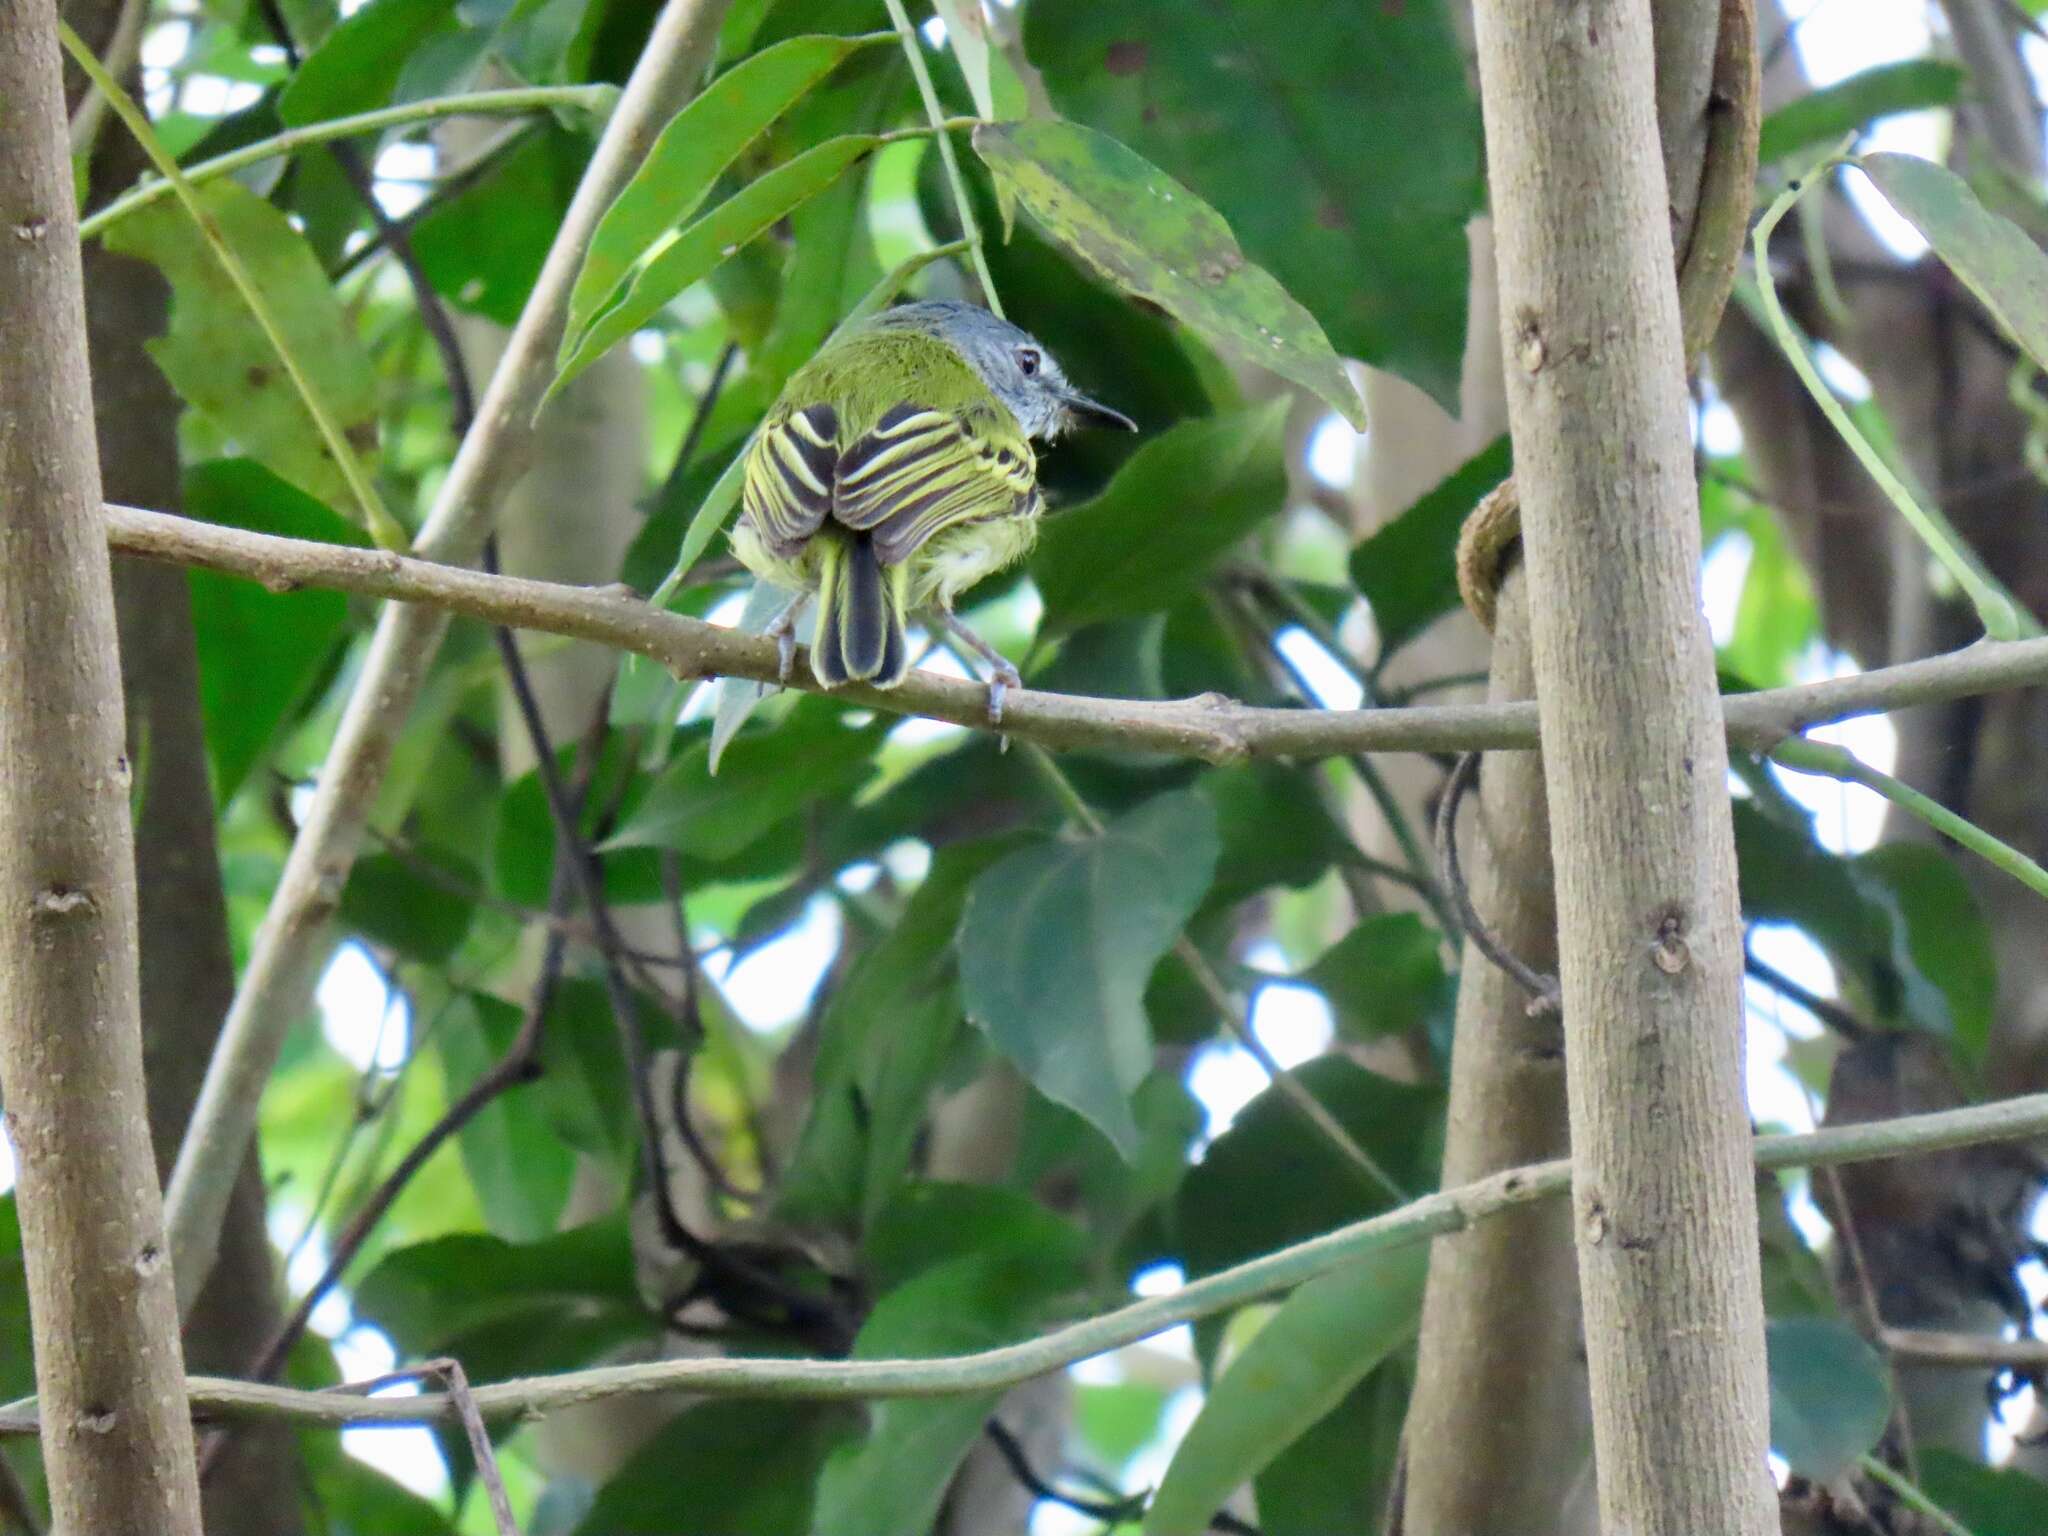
(860, 634)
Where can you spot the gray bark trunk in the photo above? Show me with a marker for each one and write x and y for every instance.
(1650, 933)
(117, 1441)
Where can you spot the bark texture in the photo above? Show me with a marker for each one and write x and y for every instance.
(118, 1444)
(1498, 1428)
(1650, 935)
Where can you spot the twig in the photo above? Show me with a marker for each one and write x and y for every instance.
(1926, 1347)
(286, 955)
(1909, 1493)
(457, 180)
(124, 47)
(377, 518)
(935, 114)
(1544, 994)
(593, 99)
(1210, 728)
(993, 1370)
(1840, 763)
(480, 1450)
(1826, 1009)
(1233, 1014)
(1873, 1318)
(1118, 1511)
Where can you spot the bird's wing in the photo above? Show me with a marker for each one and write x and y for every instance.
(787, 491)
(918, 472)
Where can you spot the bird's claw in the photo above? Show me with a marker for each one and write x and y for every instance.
(1001, 680)
(785, 654)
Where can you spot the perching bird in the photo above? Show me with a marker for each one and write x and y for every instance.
(894, 473)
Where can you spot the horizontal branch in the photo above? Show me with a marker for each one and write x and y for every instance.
(1976, 1351)
(994, 1370)
(1212, 728)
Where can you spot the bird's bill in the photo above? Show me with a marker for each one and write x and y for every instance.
(1083, 412)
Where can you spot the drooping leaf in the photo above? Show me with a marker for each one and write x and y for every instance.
(1989, 1501)
(891, 1483)
(1994, 257)
(736, 698)
(734, 1468)
(1056, 943)
(357, 68)
(1304, 1360)
(1830, 1398)
(699, 144)
(1181, 501)
(710, 240)
(882, 1043)
(1824, 116)
(1341, 142)
(1407, 568)
(1155, 239)
(218, 358)
(521, 1173)
(260, 653)
(1385, 977)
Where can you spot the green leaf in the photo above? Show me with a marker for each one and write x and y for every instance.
(521, 203)
(1342, 142)
(882, 1042)
(700, 144)
(1777, 616)
(1385, 977)
(1990, 1501)
(1182, 500)
(764, 777)
(1830, 1399)
(357, 68)
(1155, 239)
(736, 698)
(1339, 1476)
(891, 1484)
(1994, 257)
(261, 654)
(1826, 115)
(521, 1173)
(428, 1294)
(1407, 568)
(216, 355)
(723, 1468)
(1304, 1361)
(1275, 829)
(391, 902)
(707, 242)
(1056, 943)
(1939, 937)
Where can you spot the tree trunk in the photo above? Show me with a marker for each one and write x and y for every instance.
(1649, 929)
(117, 1440)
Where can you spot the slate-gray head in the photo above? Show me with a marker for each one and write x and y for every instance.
(1012, 362)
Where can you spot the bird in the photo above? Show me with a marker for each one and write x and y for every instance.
(895, 471)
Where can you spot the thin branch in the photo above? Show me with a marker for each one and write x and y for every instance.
(377, 518)
(994, 1370)
(593, 99)
(1544, 993)
(457, 180)
(285, 959)
(1826, 1009)
(1211, 728)
(124, 48)
(1840, 763)
(480, 1451)
(1124, 1510)
(1925, 1347)
(935, 114)
(1908, 1492)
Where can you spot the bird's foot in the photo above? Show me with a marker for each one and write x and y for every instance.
(1002, 678)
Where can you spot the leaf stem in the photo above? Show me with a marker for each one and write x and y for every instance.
(1909, 1491)
(970, 229)
(382, 526)
(1840, 763)
(2003, 618)
(595, 99)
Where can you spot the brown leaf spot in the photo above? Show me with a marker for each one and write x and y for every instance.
(1330, 216)
(257, 376)
(1128, 57)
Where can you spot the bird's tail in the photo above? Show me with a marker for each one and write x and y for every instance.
(860, 617)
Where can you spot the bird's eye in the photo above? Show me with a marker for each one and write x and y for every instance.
(1027, 361)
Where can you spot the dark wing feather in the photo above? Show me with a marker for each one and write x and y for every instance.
(787, 491)
(918, 472)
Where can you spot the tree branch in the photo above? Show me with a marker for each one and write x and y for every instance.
(292, 943)
(1210, 727)
(1452, 1210)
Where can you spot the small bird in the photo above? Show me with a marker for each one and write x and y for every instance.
(895, 472)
